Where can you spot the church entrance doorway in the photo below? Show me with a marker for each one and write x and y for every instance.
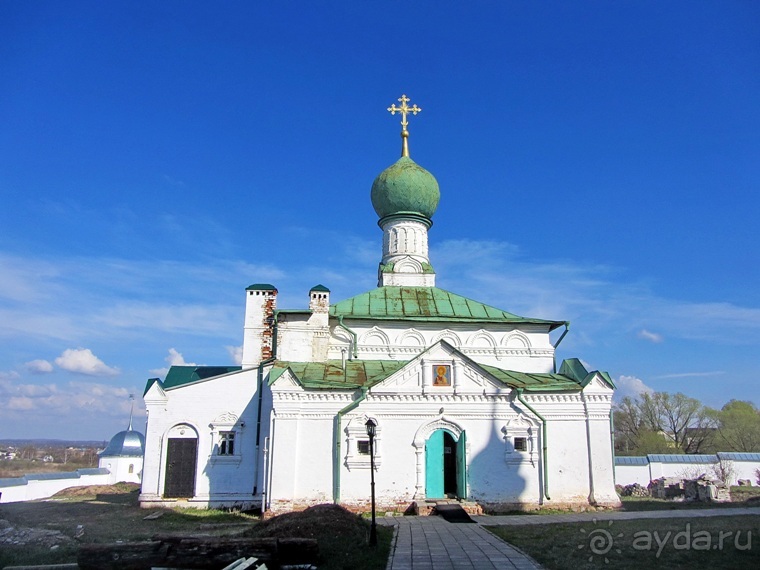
(181, 457)
(445, 466)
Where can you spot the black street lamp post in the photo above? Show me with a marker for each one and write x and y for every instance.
(371, 425)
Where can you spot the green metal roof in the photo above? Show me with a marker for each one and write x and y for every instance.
(366, 373)
(573, 368)
(150, 383)
(425, 304)
(331, 376)
(532, 382)
(261, 287)
(180, 375)
(320, 288)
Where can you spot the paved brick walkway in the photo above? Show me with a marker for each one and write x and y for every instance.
(431, 543)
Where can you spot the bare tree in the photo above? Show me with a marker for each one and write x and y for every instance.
(627, 425)
(683, 423)
(28, 452)
(724, 470)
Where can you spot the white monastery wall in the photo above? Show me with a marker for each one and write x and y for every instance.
(630, 474)
(654, 469)
(43, 485)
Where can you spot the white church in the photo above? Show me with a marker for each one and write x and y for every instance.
(468, 399)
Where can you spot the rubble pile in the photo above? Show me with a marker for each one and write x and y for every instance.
(635, 490)
(706, 490)
(22, 536)
(701, 489)
(667, 488)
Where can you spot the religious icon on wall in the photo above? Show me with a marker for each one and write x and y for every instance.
(441, 375)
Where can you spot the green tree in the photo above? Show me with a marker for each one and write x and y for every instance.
(738, 427)
(649, 441)
(662, 422)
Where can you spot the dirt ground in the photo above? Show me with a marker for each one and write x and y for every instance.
(50, 531)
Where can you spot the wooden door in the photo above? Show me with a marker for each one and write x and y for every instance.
(181, 457)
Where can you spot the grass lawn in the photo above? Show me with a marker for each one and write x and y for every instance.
(717, 543)
(112, 516)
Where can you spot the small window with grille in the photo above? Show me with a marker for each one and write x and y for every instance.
(227, 443)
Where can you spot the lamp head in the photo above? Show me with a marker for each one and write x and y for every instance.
(371, 427)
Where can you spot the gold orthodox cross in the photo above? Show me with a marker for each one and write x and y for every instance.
(404, 109)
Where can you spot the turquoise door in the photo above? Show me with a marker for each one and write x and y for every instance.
(434, 465)
(461, 468)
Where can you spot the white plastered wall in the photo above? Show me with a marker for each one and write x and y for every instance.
(526, 348)
(223, 403)
(405, 403)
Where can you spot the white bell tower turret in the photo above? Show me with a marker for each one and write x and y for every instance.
(405, 196)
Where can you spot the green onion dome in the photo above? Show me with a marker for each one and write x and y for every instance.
(405, 187)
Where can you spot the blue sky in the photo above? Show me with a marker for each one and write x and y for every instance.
(598, 161)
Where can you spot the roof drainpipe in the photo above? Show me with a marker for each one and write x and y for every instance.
(353, 336)
(612, 443)
(338, 422)
(543, 441)
(260, 397)
(556, 344)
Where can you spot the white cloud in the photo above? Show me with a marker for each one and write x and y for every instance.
(20, 275)
(20, 403)
(650, 336)
(68, 400)
(131, 299)
(174, 358)
(630, 386)
(39, 366)
(35, 390)
(598, 298)
(83, 361)
(691, 374)
(199, 319)
(236, 353)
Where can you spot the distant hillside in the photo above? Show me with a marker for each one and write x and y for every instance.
(50, 443)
